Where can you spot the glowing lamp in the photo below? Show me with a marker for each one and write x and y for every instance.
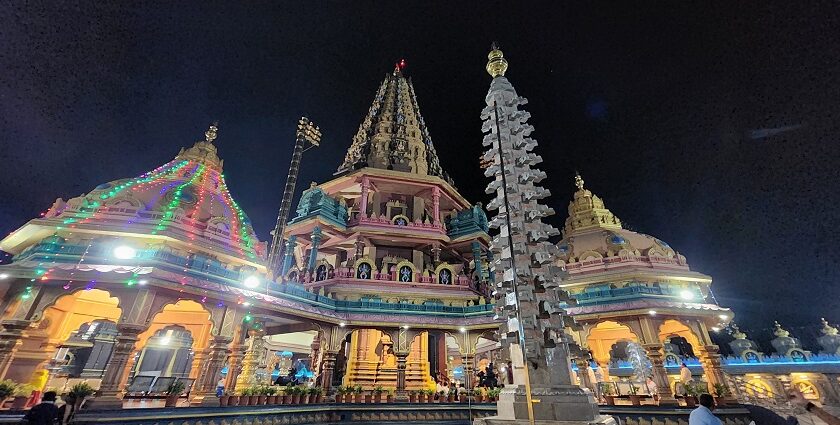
(687, 295)
(142, 281)
(715, 328)
(4, 276)
(124, 252)
(251, 282)
(342, 324)
(723, 317)
(165, 340)
(246, 304)
(463, 330)
(652, 312)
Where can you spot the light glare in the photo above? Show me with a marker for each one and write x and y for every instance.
(124, 252)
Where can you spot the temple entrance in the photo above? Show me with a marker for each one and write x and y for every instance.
(372, 362)
(71, 343)
(608, 342)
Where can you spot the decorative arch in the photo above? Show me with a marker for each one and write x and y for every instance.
(758, 387)
(322, 270)
(364, 268)
(405, 271)
(590, 255)
(67, 311)
(809, 389)
(441, 272)
(191, 315)
(604, 335)
(670, 327)
(400, 220)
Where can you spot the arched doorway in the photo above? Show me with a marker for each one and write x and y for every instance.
(72, 342)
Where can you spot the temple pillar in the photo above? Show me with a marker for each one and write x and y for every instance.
(315, 354)
(237, 353)
(211, 370)
(436, 255)
(402, 358)
(710, 358)
(10, 337)
(313, 251)
(112, 380)
(469, 370)
(360, 249)
(327, 367)
(655, 354)
(436, 204)
(288, 256)
(363, 201)
(247, 377)
(476, 251)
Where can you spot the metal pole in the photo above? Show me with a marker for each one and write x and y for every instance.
(521, 329)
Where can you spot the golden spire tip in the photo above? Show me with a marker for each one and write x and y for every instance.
(210, 134)
(578, 181)
(497, 65)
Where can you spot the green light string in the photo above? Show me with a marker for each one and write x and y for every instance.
(176, 199)
(244, 238)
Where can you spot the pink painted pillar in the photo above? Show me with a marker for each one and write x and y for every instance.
(436, 203)
(364, 201)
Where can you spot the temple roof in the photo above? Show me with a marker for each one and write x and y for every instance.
(393, 134)
(186, 199)
(592, 230)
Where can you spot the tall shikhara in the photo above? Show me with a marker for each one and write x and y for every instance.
(527, 291)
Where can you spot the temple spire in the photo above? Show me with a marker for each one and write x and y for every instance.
(204, 151)
(210, 134)
(588, 212)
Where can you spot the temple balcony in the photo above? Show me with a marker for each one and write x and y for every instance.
(346, 276)
(603, 294)
(396, 225)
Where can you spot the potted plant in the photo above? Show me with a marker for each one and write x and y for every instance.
(81, 391)
(298, 395)
(493, 394)
(224, 400)
(234, 399)
(635, 398)
(7, 389)
(339, 394)
(369, 397)
(389, 396)
(271, 394)
(173, 391)
(21, 394)
(430, 396)
(286, 398)
(466, 395)
(721, 393)
(691, 393)
(608, 390)
(377, 393)
(357, 394)
(479, 395)
(412, 396)
(263, 395)
(318, 394)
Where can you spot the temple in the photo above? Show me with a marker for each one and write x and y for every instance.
(389, 279)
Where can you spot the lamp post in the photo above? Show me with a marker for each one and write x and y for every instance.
(307, 132)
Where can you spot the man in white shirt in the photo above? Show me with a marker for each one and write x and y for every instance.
(703, 415)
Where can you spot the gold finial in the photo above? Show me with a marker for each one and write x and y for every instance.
(496, 62)
(736, 332)
(578, 181)
(210, 134)
(779, 332)
(827, 329)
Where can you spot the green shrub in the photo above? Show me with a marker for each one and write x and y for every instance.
(175, 388)
(721, 390)
(7, 388)
(82, 390)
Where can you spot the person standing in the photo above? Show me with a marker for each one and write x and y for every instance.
(652, 389)
(220, 387)
(703, 415)
(68, 410)
(685, 378)
(45, 412)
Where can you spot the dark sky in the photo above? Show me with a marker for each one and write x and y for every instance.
(668, 109)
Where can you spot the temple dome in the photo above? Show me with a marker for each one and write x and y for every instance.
(186, 199)
(593, 231)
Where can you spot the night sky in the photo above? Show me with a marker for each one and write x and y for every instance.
(712, 125)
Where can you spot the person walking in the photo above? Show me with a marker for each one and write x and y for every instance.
(703, 415)
(68, 410)
(45, 412)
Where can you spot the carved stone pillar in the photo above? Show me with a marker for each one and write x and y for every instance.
(660, 375)
(250, 363)
(289, 255)
(436, 255)
(211, 370)
(327, 368)
(313, 251)
(710, 358)
(112, 380)
(476, 252)
(436, 204)
(237, 353)
(10, 338)
(363, 201)
(469, 370)
(360, 249)
(402, 358)
(315, 354)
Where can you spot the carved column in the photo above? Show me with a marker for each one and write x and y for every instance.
(710, 358)
(237, 353)
(436, 204)
(112, 380)
(436, 255)
(10, 338)
(315, 354)
(250, 362)
(360, 249)
(313, 250)
(211, 369)
(402, 358)
(469, 370)
(327, 368)
(476, 252)
(363, 201)
(289, 255)
(660, 375)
